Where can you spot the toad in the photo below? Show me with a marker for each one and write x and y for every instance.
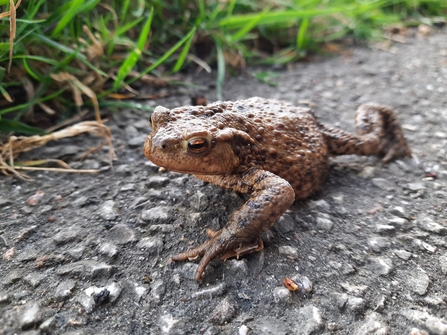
(270, 149)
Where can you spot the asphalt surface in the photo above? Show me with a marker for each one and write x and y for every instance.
(89, 253)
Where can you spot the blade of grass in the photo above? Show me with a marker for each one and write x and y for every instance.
(5, 94)
(11, 84)
(73, 9)
(202, 12)
(248, 26)
(23, 31)
(301, 36)
(284, 17)
(215, 13)
(159, 61)
(125, 8)
(70, 51)
(57, 64)
(126, 27)
(30, 71)
(34, 8)
(7, 126)
(30, 21)
(183, 54)
(59, 46)
(88, 6)
(36, 58)
(231, 8)
(134, 56)
(31, 102)
(4, 46)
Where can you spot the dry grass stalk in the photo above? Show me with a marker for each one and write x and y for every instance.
(35, 168)
(78, 88)
(12, 26)
(95, 50)
(16, 145)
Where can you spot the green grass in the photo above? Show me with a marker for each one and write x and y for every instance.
(97, 44)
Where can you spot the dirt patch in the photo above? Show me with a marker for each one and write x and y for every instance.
(89, 253)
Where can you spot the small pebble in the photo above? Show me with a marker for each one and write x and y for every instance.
(157, 181)
(385, 229)
(152, 245)
(35, 199)
(308, 320)
(381, 266)
(324, 222)
(428, 224)
(121, 234)
(379, 244)
(108, 211)
(358, 290)
(210, 291)
(243, 330)
(156, 215)
(417, 280)
(157, 290)
(64, 290)
(30, 314)
(224, 311)
(108, 249)
(373, 323)
(424, 319)
(281, 294)
(403, 254)
(383, 184)
(289, 251)
(443, 263)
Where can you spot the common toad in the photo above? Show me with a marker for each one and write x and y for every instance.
(267, 148)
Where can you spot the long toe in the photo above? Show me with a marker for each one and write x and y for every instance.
(192, 253)
(215, 249)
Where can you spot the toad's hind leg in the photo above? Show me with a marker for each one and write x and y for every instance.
(378, 133)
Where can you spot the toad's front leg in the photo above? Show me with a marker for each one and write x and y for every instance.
(271, 197)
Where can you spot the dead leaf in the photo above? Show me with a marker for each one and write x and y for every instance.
(290, 284)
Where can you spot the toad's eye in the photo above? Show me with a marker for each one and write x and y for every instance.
(198, 145)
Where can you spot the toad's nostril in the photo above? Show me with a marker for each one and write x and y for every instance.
(164, 146)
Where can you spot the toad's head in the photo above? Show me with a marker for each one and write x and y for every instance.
(194, 140)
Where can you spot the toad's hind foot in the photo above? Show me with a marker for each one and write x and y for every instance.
(221, 244)
(372, 118)
(378, 133)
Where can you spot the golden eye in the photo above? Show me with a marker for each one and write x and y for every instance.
(198, 145)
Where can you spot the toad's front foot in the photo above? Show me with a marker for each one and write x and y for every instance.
(222, 243)
(270, 197)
